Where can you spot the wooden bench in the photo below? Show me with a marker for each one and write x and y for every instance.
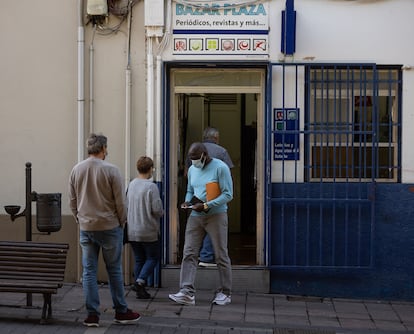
(33, 267)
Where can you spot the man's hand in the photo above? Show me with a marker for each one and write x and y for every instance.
(186, 205)
(199, 207)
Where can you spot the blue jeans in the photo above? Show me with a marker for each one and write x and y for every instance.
(147, 255)
(207, 252)
(110, 242)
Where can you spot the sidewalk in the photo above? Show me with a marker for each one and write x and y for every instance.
(249, 313)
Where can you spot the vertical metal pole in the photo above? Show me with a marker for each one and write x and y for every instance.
(28, 212)
(28, 201)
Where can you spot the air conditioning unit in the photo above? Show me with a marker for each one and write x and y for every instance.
(97, 8)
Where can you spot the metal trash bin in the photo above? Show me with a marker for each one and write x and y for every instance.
(49, 213)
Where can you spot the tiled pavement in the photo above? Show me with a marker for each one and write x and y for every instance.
(248, 313)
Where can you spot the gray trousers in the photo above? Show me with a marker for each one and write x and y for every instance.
(217, 227)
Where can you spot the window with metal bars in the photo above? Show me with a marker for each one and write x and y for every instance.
(352, 123)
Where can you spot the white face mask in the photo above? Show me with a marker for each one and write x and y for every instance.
(199, 163)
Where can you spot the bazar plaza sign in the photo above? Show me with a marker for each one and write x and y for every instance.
(225, 9)
(221, 29)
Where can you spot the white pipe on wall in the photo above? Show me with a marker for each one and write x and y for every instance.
(91, 82)
(158, 123)
(81, 108)
(150, 100)
(128, 85)
(81, 80)
(128, 107)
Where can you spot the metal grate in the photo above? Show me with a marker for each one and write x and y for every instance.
(345, 137)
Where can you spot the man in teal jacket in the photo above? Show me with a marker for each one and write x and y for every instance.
(208, 215)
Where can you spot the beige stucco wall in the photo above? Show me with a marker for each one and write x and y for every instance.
(38, 87)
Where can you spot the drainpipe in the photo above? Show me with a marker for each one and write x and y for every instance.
(81, 108)
(128, 85)
(150, 99)
(91, 81)
(81, 79)
(158, 109)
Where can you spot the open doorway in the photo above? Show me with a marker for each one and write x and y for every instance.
(235, 116)
(231, 100)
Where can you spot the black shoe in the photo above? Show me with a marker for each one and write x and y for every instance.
(91, 321)
(141, 292)
(127, 318)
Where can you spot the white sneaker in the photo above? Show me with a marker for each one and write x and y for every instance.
(207, 264)
(182, 298)
(222, 299)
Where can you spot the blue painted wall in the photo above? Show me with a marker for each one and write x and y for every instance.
(391, 275)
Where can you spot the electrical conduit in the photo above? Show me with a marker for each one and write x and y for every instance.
(150, 100)
(81, 80)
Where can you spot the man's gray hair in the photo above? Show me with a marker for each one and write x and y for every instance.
(210, 133)
(96, 143)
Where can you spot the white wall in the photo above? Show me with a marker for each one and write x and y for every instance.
(351, 31)
(38, 94)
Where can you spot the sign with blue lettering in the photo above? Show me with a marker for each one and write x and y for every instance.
(221, 28)
(286, 133)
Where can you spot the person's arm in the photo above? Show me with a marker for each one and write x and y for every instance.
(157, 209)
(119, 196)
(73, 203)
(226, 158)
(190, 190)
(226, 187)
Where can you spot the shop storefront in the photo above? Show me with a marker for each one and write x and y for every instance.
(313, 100)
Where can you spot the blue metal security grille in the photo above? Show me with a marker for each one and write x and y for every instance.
(325, 168)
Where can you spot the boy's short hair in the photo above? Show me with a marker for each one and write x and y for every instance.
(144, 164)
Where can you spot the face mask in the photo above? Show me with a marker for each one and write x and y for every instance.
(199, 163)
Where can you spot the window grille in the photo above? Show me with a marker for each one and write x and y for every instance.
(353, 123)
(351, 140)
